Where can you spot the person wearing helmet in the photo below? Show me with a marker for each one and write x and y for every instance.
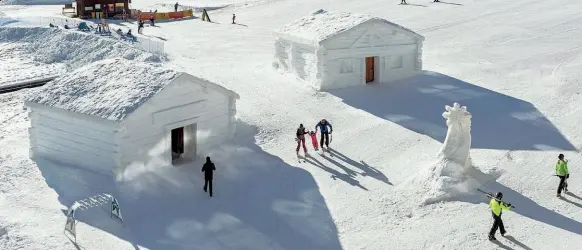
(322, 125)
(301, 139)
(496, 207)
(562, 172)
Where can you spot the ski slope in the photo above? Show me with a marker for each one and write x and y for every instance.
(515, 65)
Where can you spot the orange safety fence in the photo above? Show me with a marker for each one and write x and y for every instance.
(165, 15)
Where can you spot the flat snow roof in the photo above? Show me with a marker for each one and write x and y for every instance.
(109, 89)
(322, 25)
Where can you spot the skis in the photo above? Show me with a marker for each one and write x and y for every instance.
(490, 195)
(301, 159)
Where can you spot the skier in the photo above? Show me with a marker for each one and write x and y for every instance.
(562, 172)
(403, 2)
(301, 139)
(496, 206)
(324, 133)
(176, 7)
(313, 140)
(208, 168)
(233, 17)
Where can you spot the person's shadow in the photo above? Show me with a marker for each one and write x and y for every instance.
(510, 238)
(367, 169)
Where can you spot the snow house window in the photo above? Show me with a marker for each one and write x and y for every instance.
(346, 66)
(395, 62)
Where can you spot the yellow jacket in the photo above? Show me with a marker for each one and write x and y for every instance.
(496, 206)
(562, 168)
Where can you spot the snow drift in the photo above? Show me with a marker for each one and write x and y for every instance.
(453, 174)
(75, 49)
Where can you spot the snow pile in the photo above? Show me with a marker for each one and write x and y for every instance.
(34, 2)
(75, 49)
(110, 89)
(453, 175)
(16, 68)
(322, 24)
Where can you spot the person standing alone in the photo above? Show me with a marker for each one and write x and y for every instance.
(208, 168)
(496, 206)
(322, 125)
(562, 172)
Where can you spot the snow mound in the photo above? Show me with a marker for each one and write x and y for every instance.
(75, 49)
(453, 175)
(109, 89)
(323, 24)
(34, 2)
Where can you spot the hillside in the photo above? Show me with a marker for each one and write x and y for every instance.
(515, 65)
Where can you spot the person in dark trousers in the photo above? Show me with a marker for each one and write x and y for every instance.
(140, 25)
(496, 206)
(233, 17)
(208, 168)
(301, 139)
(562, 172)
(322, 125)
(176, 7)
(403, 2)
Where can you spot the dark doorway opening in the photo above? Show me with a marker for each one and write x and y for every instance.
(177, 143)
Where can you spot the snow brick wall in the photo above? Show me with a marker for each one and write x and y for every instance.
(117, 112)
(335, 49)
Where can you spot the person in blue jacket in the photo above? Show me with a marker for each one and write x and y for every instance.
(322, 126)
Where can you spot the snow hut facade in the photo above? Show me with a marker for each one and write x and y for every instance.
(333, 50)
(114, 113)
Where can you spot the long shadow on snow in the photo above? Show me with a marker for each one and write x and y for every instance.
(362, 165)
(260, 202)
(499, 121)
(529, 208)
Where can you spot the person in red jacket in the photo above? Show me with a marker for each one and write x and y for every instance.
(301, 139)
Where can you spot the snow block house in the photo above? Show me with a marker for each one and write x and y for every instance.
(116, 112)
(335, 49)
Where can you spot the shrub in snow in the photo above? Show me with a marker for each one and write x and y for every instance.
(453, 174)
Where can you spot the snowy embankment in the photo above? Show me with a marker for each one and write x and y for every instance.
(30, 53)
(34, 2)
(196, 5)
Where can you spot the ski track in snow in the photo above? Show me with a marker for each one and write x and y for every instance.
(519, 57)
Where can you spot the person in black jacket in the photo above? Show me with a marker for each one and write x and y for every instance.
(208, 168)
(301, 139)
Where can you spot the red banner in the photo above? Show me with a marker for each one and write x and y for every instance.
(147, 16)
(173, 15)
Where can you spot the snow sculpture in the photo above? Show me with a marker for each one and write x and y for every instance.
(453, 175)
(458, 141)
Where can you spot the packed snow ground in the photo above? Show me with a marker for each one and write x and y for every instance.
(515, 65)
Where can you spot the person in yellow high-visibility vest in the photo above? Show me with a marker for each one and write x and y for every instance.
(562, 172)
(496, 206)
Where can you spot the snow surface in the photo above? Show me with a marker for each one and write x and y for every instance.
(110, 89)
(323, 24)
(196, 5)
(35, 2)
(29, 53)
(514, 64)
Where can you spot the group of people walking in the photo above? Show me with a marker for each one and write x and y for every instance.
(325, 129)
(497, 205)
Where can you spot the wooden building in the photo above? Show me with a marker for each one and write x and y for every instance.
(102, 8)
